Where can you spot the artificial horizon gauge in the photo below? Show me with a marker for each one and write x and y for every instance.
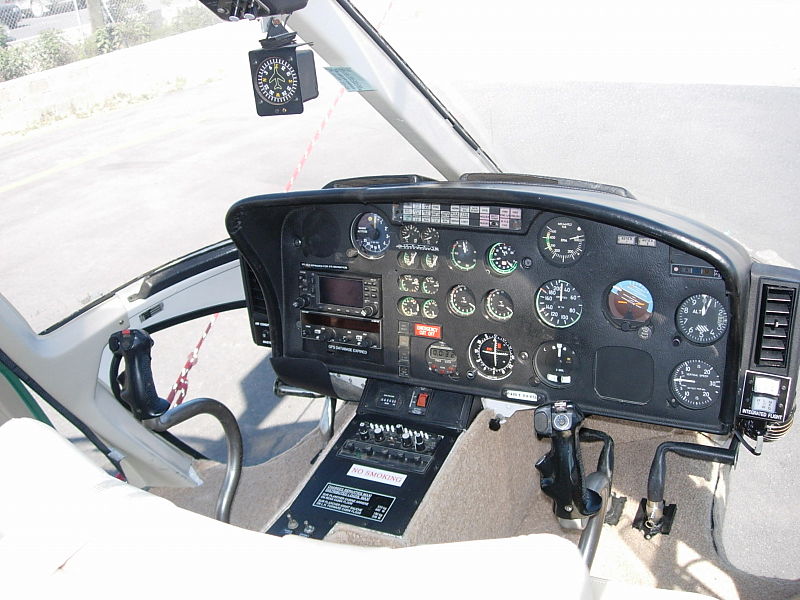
(498, 306)
(561, 241)
(695, 384)
(408, 283)
(702, 319)
(555, 363)
(463, 255)
(409, 234)
(501, 259)
(491, 355)
(629, 304)
(430, 285)
(442, 359)
(559, 304)
(430, 309)
(408, 306)
(370, 235)
(461, 301)
(276, 80)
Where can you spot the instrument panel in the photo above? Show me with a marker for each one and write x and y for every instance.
(528, 302)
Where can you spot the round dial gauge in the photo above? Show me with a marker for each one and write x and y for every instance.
(409, 234)
(561, 241)
(430, 261)
(370, 235)
(408, 283)
(555, 364)
(630, 303)
(442, 359)
(408, 307)
(498, 305)
(407, 259)
(276, 80)
(491, 355)
(430, 285)
(429, 236)
(463, 255)
(430, 309)
(461, 301)
(559, 304)
(702, 319)
(695, 384)
(501, 259)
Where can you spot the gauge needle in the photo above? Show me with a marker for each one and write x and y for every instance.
(561, 292)
(683, 380)
(706, 305)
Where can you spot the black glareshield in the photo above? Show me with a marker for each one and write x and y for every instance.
(283, 79)
(138, 388)
(561, 469)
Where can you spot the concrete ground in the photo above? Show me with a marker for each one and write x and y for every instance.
(708, 127)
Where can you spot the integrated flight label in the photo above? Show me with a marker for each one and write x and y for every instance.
(379, 475)
(352, 501)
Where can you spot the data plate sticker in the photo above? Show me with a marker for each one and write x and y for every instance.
(355, 502)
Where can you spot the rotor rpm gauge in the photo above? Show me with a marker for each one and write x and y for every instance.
(498, 306)
(695, 384)
(370, 235)
(561, 241)
(463, 255)
(491, 355)
(501, 259)
(559, 304)
(702, 319)
(276, 80)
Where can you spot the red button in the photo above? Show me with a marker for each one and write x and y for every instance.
(422, 400)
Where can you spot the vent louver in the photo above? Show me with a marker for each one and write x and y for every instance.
(258, 303)
(775, 326)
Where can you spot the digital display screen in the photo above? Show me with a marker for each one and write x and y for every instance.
(341, 291)
(341, 322)
(764, 403)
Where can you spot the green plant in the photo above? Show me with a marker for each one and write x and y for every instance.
(52, 50)
(4, 36)
(13, 63)
(106, 39)
(193, 17)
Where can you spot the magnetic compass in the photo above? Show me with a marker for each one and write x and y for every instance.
(276, 80)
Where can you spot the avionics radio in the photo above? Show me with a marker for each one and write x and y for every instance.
(333, 308)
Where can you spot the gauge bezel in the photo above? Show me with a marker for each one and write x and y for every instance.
(494, 269)
(476, 363)
(293, 87)
(714, 375)
(452, 309)
(546, 320)
(489, 314)
(719, 334)
(454, 264)
(400, 304)
(370, 255)
(576, 256)
(540, 370)
(428, 302)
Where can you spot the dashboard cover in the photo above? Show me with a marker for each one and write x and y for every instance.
(517, 291)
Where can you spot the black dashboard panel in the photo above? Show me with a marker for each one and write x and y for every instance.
(623, 309)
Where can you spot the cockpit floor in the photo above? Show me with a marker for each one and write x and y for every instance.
(488, 488)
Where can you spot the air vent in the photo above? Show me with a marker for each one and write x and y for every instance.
(258, 303)
(775, 326)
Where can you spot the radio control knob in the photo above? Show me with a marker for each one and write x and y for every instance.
(378, 434)
(326, 334)
(302, 301)
(368, 311)
(406, 440)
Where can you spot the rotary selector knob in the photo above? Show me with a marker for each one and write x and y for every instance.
(302, 301)
(378, 434)
(368, 311)
(406, 440)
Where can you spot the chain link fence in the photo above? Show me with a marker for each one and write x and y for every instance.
(36, 35)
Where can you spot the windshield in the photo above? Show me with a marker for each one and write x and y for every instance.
(128, 127)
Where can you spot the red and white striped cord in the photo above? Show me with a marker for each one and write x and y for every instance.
(181, 386)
